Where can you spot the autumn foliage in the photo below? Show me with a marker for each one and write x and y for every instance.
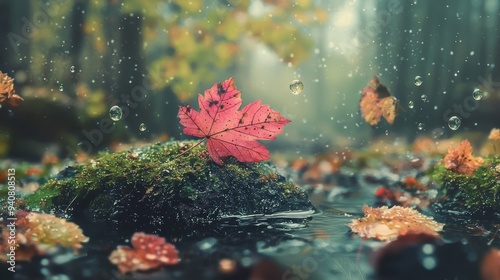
(386, 223)
(230, 132)
(148, 252)
(460, 159)
(376, 102)
(7, 93)
(38, 232)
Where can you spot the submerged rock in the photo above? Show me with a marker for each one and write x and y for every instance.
(156, 189)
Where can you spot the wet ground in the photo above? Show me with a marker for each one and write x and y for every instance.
(283, 246)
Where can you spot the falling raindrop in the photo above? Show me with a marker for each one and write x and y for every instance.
(115, 113)
(61, 88)
(142, 127)
(296, 87)
(420, 126)
(424, 97)
(411, 105)
(418, 81)
(454, 123)
(477, 94)
(437, 133)
(72, 69)
(387, 132)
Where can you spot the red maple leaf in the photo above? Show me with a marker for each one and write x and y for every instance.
(230, 132)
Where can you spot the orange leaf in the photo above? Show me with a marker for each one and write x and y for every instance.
(460, 160)
(376, 102)
(388, 223)
(494, 134)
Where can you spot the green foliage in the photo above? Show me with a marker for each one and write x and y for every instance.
(479, 192)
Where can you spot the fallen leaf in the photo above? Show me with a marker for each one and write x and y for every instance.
(460, 160)
(36, 233)
(494, 134)
(376, 102)
(149, 251)
(227, 131)
(386, 223)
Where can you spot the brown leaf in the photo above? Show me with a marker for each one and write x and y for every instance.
(376, 102)
(460, 160)
(14, 100)
(7, 92)
(388, 223)
(6, 84)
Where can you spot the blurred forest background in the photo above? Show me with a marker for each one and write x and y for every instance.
(72, 60)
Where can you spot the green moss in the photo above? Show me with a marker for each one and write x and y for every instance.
(168, 187)
(477, 193)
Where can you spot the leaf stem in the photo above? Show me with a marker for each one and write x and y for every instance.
(190, 148)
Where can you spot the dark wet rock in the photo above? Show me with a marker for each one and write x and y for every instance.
(154, 189)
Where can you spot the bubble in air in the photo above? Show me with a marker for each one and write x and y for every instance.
(420, 126)
(411, 105)
(72, 69)
(477, 94)
(296, 87)
(115, 113)
(423, 97)
(142, 127)
(418, 81)
(454, 123)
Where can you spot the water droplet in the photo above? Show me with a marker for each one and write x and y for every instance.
(424, 97)
(142, 127)
(437, 133)
(420, 126)
(72, 69)
(411, 105)
(296, 87)
(61, 88)
(477, 94)
(454, 123)
(418, 81)
(387, 132)
(115, 113)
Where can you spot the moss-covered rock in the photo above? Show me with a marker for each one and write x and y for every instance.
(479, 193)
(153, 188)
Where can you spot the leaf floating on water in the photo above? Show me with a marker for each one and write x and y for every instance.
(230, 132)
(460, 160)
(377, 102)
(148, 251)
(386, 223)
